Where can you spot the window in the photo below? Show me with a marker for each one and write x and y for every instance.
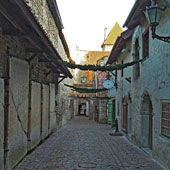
(165, 127)
(136, 57)
(122, 73)
(146, 44)
(83, 79)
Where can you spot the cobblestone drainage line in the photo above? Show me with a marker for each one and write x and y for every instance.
(87, 165)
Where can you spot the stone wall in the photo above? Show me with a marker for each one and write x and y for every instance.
(35, 118)
(64, 102)
(28, 95)
(102, 109)
(1, 124)
(52, 108)
(152, 88)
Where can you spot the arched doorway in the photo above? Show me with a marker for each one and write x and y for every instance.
(82, 109)
(146, 122)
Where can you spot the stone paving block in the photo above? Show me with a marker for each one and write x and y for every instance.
(84, 144)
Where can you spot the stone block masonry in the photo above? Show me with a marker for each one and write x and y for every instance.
(18, 111)
(2, 123)
(52, 108)
(35, 118)
(45, 111)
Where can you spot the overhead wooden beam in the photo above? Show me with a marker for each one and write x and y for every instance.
(44, 60)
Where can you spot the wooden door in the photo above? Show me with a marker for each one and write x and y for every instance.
(125, 114)
(150, 126)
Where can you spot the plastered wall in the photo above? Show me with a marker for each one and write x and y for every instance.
(52, 108)
(45, 111)
(18, 110)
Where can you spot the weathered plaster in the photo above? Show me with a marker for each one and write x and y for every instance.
(155, 81)
(18, 111)
(35, 114)
(45, 111)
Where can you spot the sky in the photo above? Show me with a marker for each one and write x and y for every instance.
(85, 20)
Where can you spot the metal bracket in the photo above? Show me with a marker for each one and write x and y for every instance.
(61, 80)
(128, 79)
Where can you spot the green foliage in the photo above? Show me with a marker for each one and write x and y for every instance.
(85, 90)
(98, 67)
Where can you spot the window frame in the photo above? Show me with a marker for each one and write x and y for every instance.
(136, 71)
(145, 44)
(81, 80)
(122, 71)
(165, 126)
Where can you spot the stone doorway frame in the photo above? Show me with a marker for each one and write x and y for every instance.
(146, 121)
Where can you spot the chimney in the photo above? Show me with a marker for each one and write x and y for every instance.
(105, 32)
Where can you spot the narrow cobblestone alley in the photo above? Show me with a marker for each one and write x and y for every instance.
(83, 144)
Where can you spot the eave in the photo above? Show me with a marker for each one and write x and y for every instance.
(119, 45)
(17, 12)
(136, 14)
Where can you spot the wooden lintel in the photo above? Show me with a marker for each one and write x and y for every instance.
(15, 32)
(45, 60)
(33, 50)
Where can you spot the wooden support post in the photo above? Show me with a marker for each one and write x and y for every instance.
(29, 105)
(6, 110)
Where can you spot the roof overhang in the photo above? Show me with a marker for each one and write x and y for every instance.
(119, 45)
(19, 15)
(136, 14)
(52, 4)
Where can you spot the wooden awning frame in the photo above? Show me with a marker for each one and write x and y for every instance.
(20, 16)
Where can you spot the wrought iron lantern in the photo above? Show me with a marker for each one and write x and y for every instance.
(153, 14)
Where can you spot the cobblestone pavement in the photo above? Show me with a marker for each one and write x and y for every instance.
(84, 145)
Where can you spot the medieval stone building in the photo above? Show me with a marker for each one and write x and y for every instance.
(31, 93)
(143, 90)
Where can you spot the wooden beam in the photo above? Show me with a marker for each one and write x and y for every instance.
(32, 57)
(44, 60)
(61, 80)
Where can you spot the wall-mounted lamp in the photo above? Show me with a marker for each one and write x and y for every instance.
(153, 14)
